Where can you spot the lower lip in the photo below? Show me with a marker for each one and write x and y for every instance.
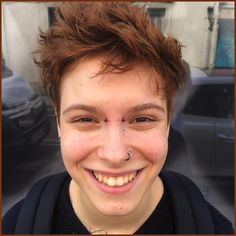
(115, 189)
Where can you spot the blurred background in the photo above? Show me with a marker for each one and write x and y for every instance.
(201, 142)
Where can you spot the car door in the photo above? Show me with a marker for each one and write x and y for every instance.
(225, 130)
(198, 125)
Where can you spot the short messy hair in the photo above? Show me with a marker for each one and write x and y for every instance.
(114, 30)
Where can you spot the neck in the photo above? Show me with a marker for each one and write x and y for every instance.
(98, 223)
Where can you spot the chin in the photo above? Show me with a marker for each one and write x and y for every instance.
(116, 209)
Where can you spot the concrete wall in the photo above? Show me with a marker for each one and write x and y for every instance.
(189, 24)
(20, 26)
(187, 21)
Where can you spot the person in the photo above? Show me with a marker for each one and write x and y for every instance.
(112, 76)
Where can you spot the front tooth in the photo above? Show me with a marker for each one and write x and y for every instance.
(119, 181)
(105, 180)
(111, 181)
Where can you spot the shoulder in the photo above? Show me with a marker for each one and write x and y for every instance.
(41, 192)
(221, 223)
(10, 218)
(184, 192)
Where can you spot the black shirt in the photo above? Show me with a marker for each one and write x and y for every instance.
(161, 221)
(66, 221)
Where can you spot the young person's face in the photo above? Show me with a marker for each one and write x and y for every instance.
(104, 118)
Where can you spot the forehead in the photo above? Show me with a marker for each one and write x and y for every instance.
(87, 73)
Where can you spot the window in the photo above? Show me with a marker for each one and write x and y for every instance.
(157, 15)
(51, 15)
(212, 101)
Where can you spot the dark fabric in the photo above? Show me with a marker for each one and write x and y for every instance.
(26, 219)
(184, 193)
(161, 219)
(221, 224)
(10, 218)
(42, 197)
(66, 221)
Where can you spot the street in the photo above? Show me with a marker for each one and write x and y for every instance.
(22, 169)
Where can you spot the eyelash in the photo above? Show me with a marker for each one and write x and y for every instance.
(84, 120)
(140, 119)
(143, 119)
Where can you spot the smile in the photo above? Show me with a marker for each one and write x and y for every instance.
(115, 181)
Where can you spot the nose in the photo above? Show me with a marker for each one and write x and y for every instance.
(113, 148)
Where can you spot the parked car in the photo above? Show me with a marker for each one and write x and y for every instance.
(207, 125)
(24, 115)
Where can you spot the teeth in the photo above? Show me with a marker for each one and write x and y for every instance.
(114, 181)
(130, 177)
(105, 180)
(111, 181)
(100, 178)
(126, 179)
(119, 181)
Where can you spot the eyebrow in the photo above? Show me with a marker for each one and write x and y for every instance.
(147, 106)
(80, 107)
(93, 109)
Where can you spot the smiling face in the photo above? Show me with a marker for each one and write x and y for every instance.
(104, 120)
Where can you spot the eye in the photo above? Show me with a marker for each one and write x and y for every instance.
(143, 123)
(142, 119)
(84, 120)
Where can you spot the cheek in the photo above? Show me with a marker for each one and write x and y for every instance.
(76, 146)
(153, 145)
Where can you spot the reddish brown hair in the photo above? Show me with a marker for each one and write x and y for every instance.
(113, 29)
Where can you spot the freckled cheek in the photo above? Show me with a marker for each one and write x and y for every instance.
(76, 147)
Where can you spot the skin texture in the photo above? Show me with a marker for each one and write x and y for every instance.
(102, 119)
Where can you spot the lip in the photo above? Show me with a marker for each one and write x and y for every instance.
(115, 189)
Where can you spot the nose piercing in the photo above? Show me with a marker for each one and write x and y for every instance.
(129, 156)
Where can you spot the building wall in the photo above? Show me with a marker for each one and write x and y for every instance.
(20, 26)
(188, 22)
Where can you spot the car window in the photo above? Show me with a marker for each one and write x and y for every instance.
(6, 72)
(212, 101)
